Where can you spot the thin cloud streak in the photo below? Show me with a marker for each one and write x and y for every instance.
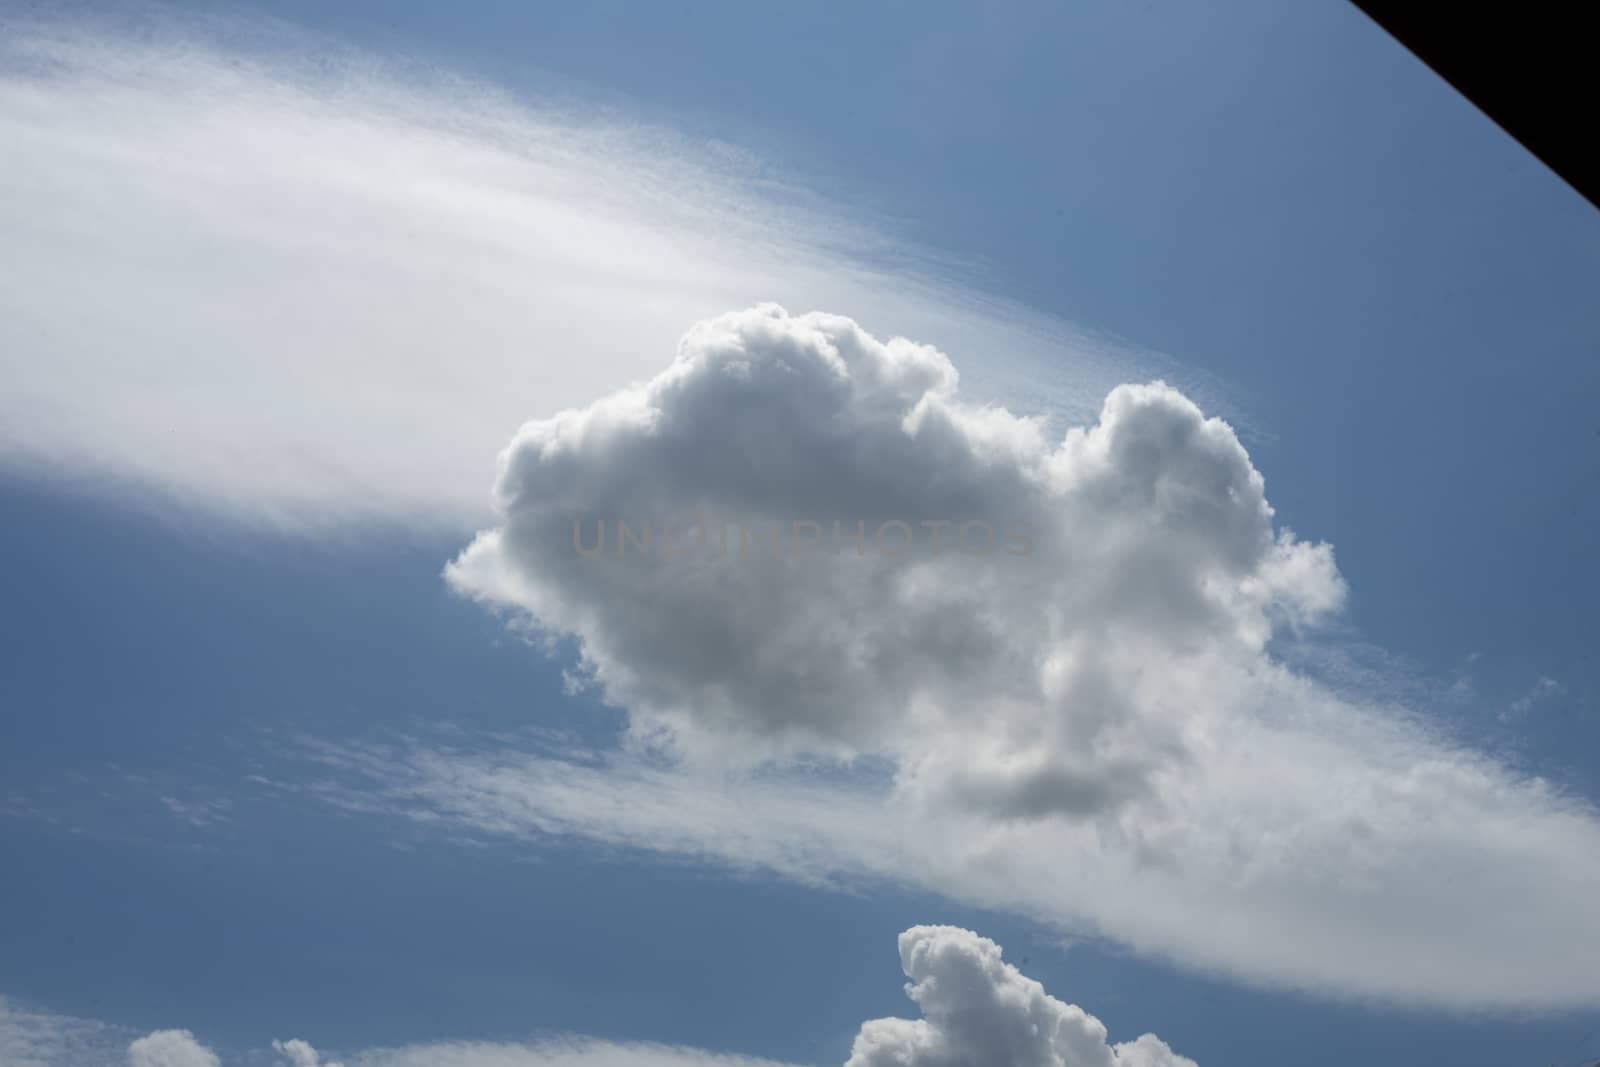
(1403, 871)
(294, 286)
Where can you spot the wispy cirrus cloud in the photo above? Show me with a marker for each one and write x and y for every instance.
(295, 284)
(1350, 855)
(33, 1038)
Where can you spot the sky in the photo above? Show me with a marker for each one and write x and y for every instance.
(1268, 732)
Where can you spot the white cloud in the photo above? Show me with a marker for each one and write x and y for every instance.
(291, 284)
(567, 1052)
(978, 1009)
(301, 1054)
(170, 1048)
(1030, 645)
(306, 296)
(32, 1038)
(1322, 846)
(1095, 733)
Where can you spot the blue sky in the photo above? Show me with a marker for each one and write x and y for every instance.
(256, 746)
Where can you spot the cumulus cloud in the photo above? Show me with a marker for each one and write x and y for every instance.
(301, 1054)
(865, 563)
(249, 278)
(304, 286)
(171, 1048)
(1094, 732)
(979, 1010)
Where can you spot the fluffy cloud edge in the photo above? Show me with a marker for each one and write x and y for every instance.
(1099, 735)
(976, 1008)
